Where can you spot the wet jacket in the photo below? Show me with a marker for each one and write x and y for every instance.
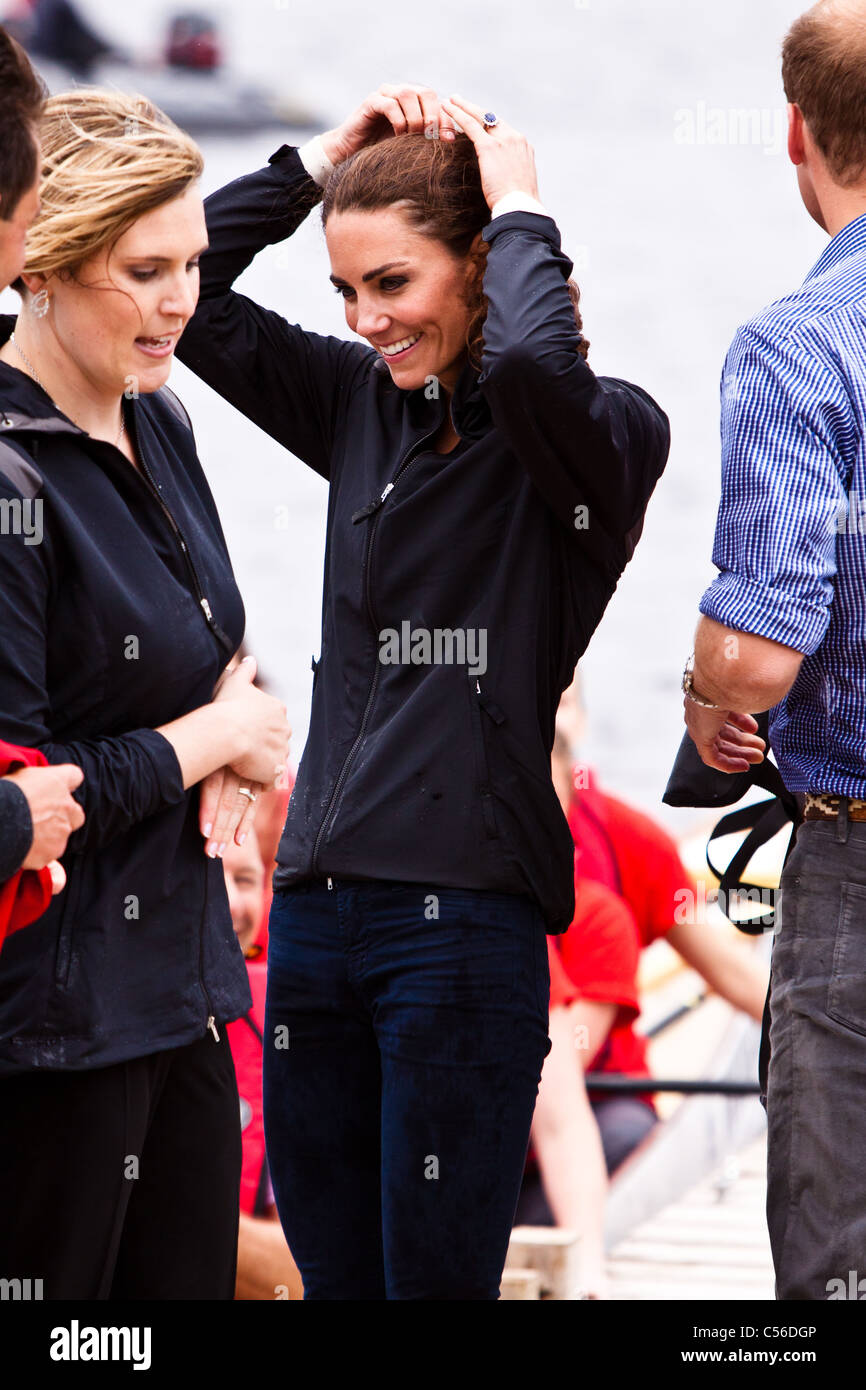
(423, 765)
(118, 610)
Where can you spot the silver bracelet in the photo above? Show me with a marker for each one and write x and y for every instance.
(689, 689)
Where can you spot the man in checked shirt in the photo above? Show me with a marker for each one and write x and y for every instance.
(784, 629)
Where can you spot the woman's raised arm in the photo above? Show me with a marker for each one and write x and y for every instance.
(594, 446)
(289, 382)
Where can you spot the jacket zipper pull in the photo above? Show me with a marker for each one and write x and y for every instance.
(373, 506)
(330, 884)
(212, 1026)
(206, 606)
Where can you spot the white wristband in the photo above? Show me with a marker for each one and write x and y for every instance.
(517, 202)
(315, 161)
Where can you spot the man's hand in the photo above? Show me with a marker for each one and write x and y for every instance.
(53, 810)
(724, 739)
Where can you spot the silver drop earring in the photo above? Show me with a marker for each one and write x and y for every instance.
(40, 304)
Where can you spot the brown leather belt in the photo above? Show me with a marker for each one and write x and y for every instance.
(825, 806)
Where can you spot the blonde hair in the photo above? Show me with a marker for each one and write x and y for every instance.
(107, 158)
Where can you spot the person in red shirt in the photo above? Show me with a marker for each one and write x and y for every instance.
(626, 850)
(593, 972)
(565, 1182)
(265, 1269)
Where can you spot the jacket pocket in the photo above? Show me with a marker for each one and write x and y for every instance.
(484, 711)
(66, 926)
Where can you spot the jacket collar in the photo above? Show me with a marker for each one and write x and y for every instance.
(23, 404)
(469, 409)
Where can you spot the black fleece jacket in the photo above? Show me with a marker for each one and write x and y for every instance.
(16, 829)
(103, 638)
(423, 765)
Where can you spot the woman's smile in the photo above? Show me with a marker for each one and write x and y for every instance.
(399, 347)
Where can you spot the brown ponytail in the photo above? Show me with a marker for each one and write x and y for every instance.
(439, 185)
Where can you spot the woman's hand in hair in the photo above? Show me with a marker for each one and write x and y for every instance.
(506, 159)
(404, 108)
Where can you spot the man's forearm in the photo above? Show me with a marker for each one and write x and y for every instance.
(740, 670)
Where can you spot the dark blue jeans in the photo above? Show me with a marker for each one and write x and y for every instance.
(405, 1032)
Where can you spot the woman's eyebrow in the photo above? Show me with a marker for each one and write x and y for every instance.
(371, 274)
(161, 260)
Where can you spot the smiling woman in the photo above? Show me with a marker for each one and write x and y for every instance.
(425, 855)
(116, 633)
(111, 273)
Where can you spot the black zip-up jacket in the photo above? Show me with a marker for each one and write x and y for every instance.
(438, 773)
(16, 830)
(104, 637)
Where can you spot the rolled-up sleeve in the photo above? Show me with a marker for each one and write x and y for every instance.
(783, 496)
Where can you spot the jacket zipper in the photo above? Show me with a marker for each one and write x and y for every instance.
(224, 641)
(221, 636)
(372, 509)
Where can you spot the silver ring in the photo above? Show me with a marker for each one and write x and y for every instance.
(490, 120)
(245, 791)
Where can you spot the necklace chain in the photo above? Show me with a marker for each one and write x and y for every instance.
(33, 372)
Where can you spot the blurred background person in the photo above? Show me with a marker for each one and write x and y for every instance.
(636, 858)
(266, 1269)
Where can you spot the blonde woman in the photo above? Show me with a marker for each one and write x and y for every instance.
(119, 614)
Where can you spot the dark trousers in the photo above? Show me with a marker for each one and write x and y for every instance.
(816, 1082)
(405, 1033)
(123, 1182)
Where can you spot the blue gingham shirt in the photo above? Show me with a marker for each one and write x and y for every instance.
(790, 539)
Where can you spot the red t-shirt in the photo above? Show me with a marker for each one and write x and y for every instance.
(596, 959)
(628, 852)
(599, 952)
(245, 1041)
(619, 846)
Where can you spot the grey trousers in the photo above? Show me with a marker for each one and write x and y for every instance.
(816, 1076)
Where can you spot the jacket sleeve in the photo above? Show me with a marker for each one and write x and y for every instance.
(289, 382)
(127, 777)
(586, 441)
(16, 830)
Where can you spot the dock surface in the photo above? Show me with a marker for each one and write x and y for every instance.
(711, 1244)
